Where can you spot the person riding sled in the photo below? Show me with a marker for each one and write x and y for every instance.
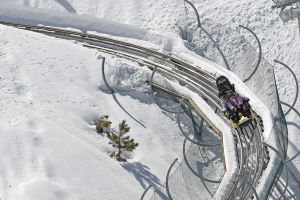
(234, 106)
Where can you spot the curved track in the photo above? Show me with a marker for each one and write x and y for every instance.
(250, 147)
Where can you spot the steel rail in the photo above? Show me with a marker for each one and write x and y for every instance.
(262, 154)
(209, 94)
(192, 85)
(178, 78)
(257, 170)
(248, 165)
(246, 80)
(241, 160)
(251, 188)
(98, 38)
(75, 35)
(195, 72)
(237, 187)
(239, 190)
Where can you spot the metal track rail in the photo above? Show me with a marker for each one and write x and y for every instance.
(251, 149)
(148, 56)
(252, 157)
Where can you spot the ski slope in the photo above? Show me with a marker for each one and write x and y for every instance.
(52, 188)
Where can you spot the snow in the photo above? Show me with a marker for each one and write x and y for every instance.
(279, 41)
(27, 15)
(231, 162)
(49, 146)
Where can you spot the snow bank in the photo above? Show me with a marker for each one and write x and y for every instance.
(84, 23)
(49, 100)
(155, 16)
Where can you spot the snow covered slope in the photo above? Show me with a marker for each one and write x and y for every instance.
(49, 101)
(151, 15)
(161, 17)
(279, 41)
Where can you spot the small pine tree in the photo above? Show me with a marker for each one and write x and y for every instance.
(102, 123)
(120, 142)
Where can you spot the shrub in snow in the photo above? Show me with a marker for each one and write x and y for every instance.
(120, 142)
(103, 125)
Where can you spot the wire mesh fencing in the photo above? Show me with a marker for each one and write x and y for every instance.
(200, 172)
(244, 58)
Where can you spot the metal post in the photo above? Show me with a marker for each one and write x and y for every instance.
(299, 24)
(144, 194)
(167, 179)
(259, 52)
(298, 5)
(296, 83)
(103, 76)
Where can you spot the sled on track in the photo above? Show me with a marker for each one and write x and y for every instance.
(243, 120)
(238, 109)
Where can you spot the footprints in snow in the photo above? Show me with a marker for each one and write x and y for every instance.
(25, 162)
(22, 90)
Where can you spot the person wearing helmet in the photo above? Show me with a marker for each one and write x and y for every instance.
(234, 106)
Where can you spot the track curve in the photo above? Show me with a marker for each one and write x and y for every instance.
(250, 146)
